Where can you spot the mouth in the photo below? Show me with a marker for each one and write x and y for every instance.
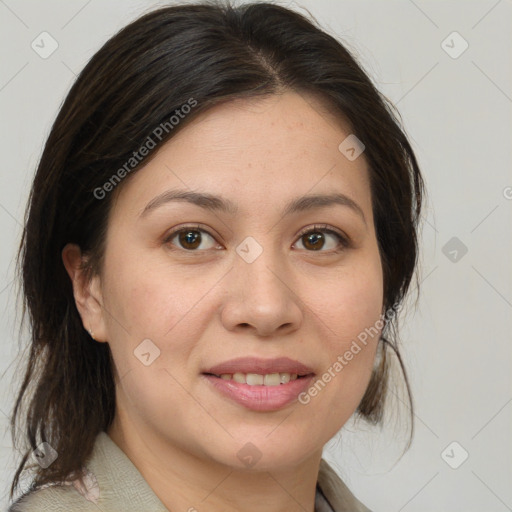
(258, 384)
(251, 366)
(259, 392)
(257, 379)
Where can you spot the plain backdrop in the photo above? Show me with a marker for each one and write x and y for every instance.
(446, 65)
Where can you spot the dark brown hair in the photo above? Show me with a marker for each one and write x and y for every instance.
(211, 52)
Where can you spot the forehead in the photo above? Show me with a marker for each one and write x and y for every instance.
(259, 151)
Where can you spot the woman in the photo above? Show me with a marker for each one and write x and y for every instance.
(220, 230)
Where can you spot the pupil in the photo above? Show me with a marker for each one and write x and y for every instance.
(191, 238)
(314, 238)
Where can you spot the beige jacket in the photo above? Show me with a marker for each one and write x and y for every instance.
(113, 484)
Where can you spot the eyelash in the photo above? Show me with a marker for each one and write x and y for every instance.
(317, 228)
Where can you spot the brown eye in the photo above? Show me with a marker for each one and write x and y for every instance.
(319, 238)
(190, 239)
(313, 240)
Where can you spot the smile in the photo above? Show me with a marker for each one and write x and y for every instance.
(256, 392)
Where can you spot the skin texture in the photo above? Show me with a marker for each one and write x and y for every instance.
(205, 307)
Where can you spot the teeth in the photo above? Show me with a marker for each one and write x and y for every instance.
(255, 379)
(284, 378)
(272, 379)
(239, 377)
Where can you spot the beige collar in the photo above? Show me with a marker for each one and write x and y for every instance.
(122, 487)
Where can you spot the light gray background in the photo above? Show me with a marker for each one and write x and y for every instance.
(457, 113)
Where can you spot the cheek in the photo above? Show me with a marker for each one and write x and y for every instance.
(149, 298)
(355, 332)
(349, 311)
(148, 302)
(351, 301)
(153, 301)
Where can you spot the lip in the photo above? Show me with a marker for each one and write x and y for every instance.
(260, 398)
(261, 366)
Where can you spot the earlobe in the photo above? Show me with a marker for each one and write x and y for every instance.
(87, 292)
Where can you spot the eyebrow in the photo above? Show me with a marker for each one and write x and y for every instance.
(219, 204)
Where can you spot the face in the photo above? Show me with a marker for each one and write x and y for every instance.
(188, 285)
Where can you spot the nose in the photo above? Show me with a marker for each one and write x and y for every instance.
(262, 297)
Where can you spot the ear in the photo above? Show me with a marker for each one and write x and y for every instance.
(87, 293)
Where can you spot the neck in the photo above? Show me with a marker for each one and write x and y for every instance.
(183, 481)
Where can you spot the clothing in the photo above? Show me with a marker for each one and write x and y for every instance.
(113, 484)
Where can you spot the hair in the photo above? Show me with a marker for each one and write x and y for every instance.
(212, 52)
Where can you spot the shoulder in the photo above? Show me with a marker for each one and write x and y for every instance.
(336, 491)
(109, 481)
(55, 498)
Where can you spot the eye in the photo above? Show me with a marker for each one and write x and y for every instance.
(190, 238)
(317, 237)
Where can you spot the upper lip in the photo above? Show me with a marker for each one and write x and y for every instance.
(260, 366)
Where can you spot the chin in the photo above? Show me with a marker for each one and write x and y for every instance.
(259, 453)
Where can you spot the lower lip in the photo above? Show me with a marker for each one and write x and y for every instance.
(260, 398)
